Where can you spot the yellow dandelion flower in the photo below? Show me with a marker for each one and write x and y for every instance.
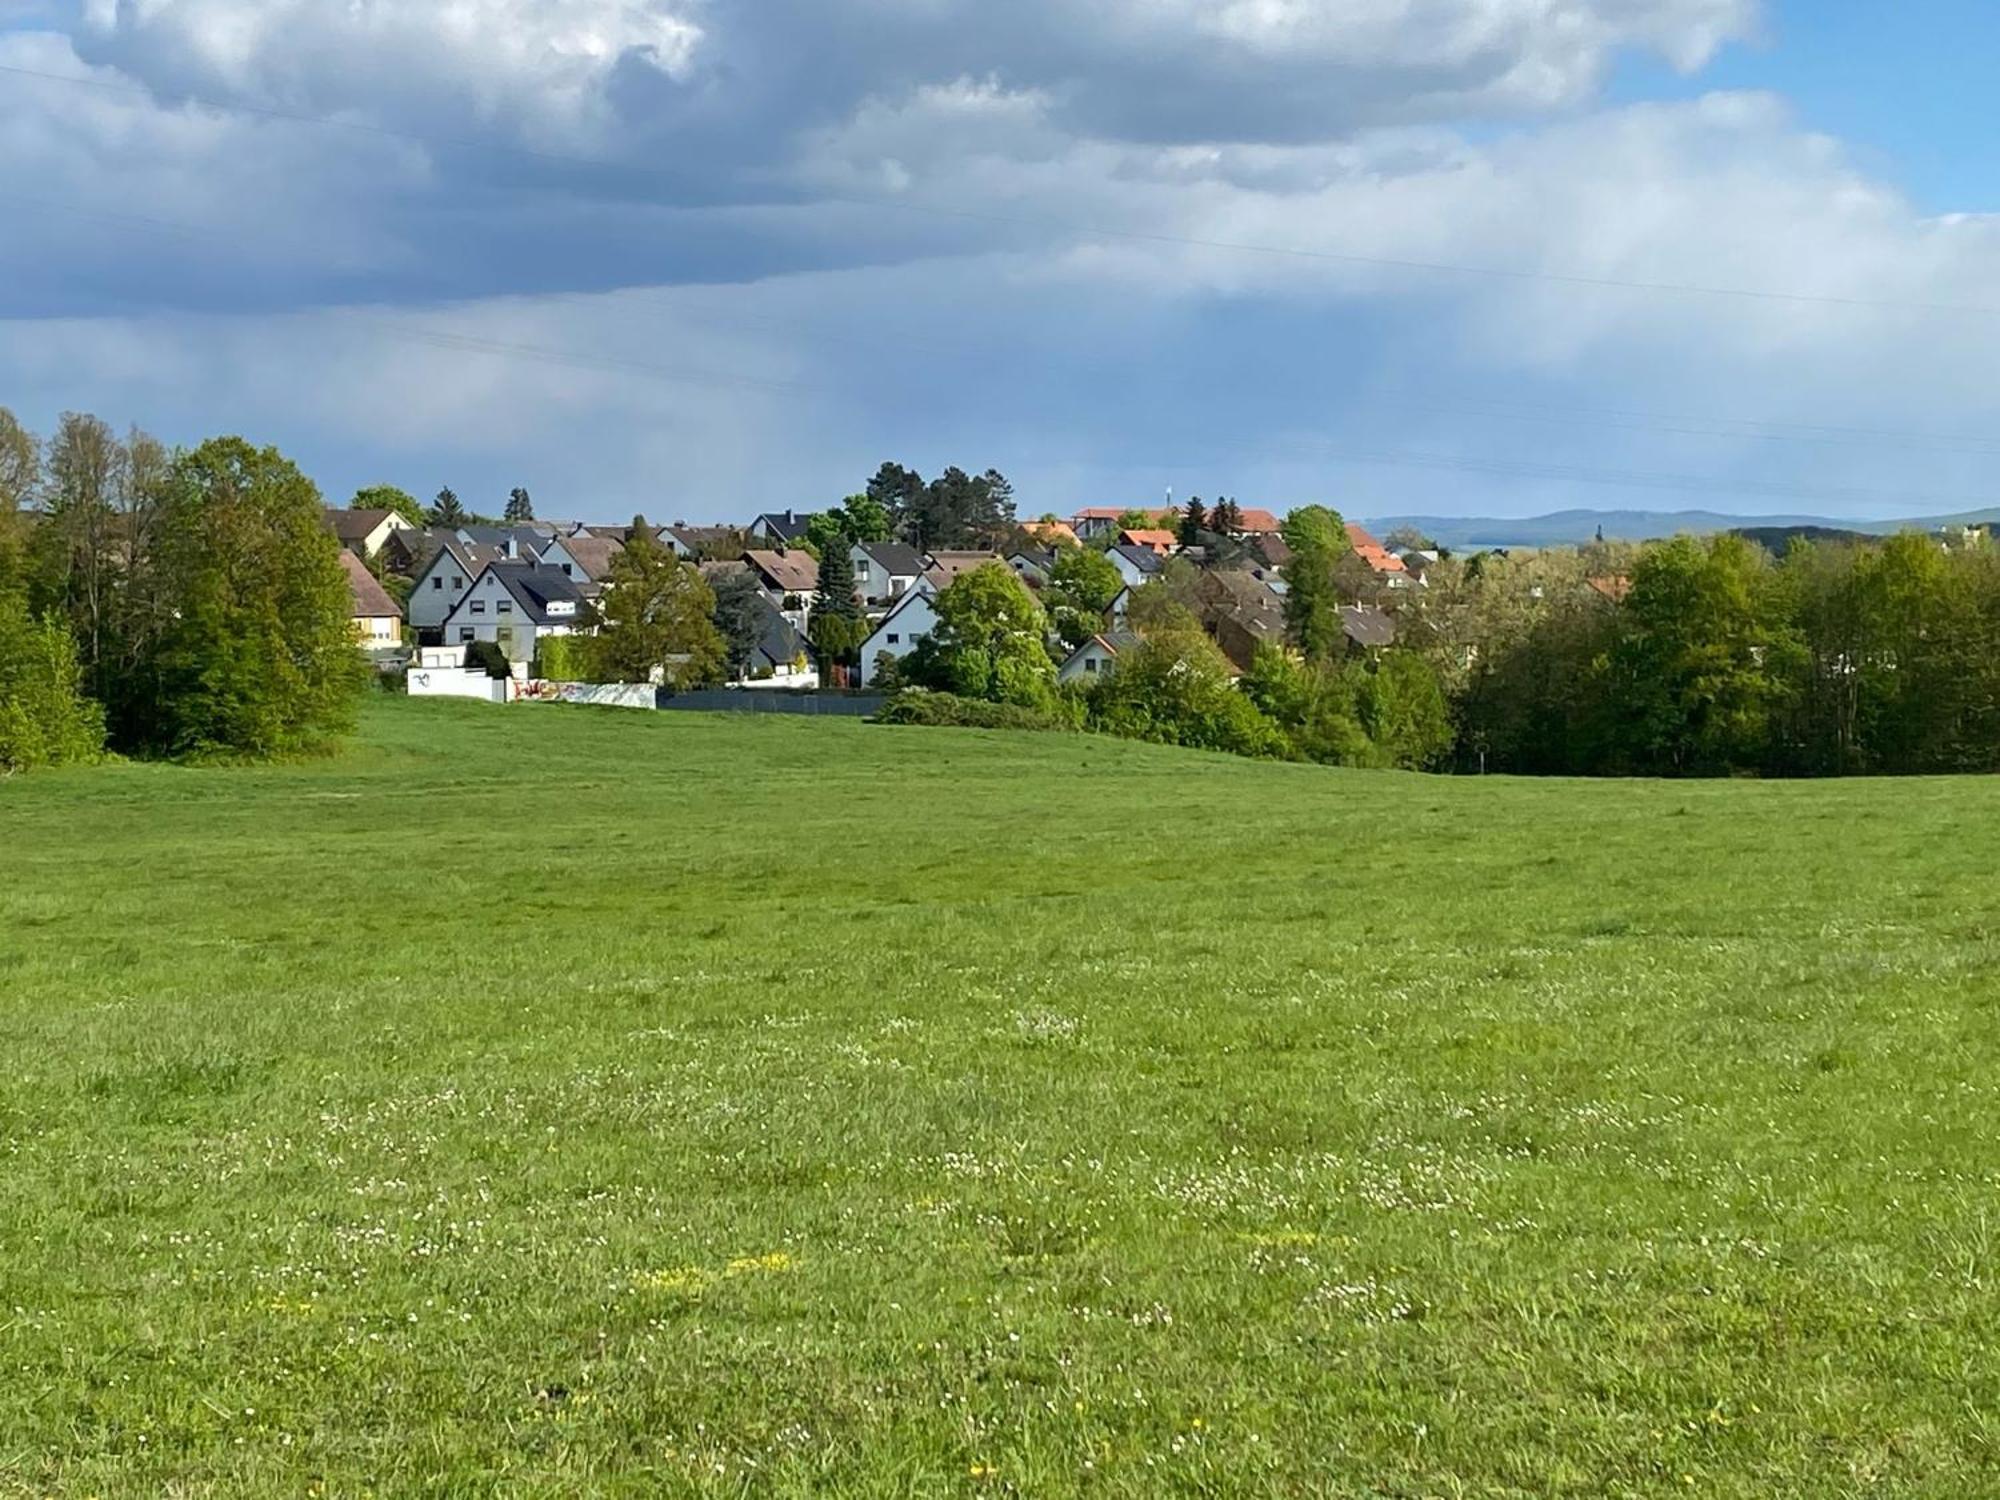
(774, 1264)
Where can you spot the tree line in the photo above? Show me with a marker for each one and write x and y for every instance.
(1714, 657)
(182, 603)
(1689, 657)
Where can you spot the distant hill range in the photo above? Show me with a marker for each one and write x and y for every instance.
(1568, 528)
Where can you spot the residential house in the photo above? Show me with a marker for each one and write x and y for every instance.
(365, 532)
(780, 652)
(703, 543)
(884, 571)
(912, 619)
(1161, 542)
(515, 604)
(378, 619)
(440, 583)
(1051, 533)
(1241, 611)
(781, 528)
(1272, 550)
(407, 549)
(1136, 565)
(1096, 656)
(789, 578)
(1034, 565)
(517, 543)
(1240, 632)
(1385, 565)
(944, 568)
(1105, 520)
(1368, 628)
(1259, 523)
(584, 560)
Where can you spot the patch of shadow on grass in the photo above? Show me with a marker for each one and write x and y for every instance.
(167, 1089)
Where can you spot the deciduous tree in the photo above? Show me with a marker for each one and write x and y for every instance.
(659, 620)
(257, 654)
(388, 497)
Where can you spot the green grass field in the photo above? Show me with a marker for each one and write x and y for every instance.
(550, 1102)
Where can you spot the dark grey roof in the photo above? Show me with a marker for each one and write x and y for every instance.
(528, 540)
(535, 588)
(895, 558)
(783, 525)
(1368, 627)
(1145, 559)
(779, 644)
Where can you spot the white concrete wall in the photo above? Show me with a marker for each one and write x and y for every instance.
(601, 694)
(456, 682)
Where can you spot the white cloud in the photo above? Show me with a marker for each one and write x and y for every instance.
(985, 320)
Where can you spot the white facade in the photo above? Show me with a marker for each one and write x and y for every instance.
(875, 583)
(1090, 661)
(387, 527)
(912, 620)
(437, 590)
(1134, 575)
(378, 632)
(557, 556)
(490, 612)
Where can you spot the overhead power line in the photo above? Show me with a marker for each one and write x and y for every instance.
(903, 204)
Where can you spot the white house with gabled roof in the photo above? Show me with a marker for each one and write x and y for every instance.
(441, 583)
(912, 619)
(515, 604)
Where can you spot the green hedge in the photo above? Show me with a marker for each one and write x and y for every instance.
(949, 711)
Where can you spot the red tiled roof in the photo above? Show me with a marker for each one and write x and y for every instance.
(371, 600)
(1371, 552)
(1161, 542)
(1050, 531)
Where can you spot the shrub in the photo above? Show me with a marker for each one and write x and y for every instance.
(564, 658)
(949, 711)
(45, 719)
(1175, 689)
(487, 654)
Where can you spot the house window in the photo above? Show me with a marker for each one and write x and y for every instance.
(506, 606)
(479, 606)
(566, 571)
(465, 634)
(438, 582)
(457, 582)
(895, 640)
(505, 637)
(1090, 664)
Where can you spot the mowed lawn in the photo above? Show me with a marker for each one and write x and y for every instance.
(546, 1101)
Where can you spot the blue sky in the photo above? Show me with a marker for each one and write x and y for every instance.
(1908, 87)
(706, 257)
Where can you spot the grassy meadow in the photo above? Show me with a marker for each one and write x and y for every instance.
(545, 1102)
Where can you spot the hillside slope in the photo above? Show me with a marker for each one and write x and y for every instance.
(548, 1101)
